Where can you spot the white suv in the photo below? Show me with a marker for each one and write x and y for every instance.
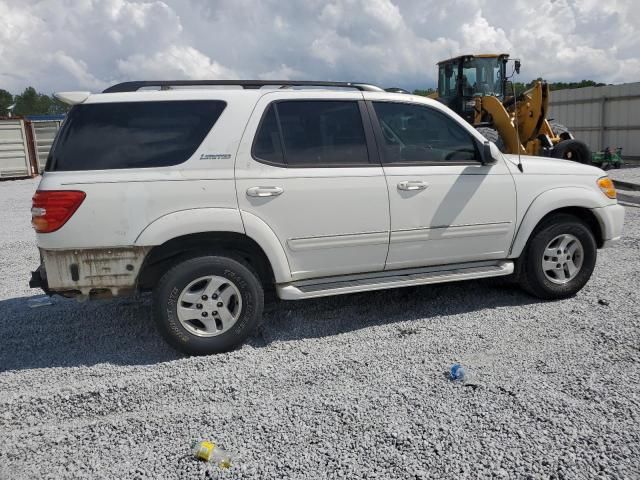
(208, 196)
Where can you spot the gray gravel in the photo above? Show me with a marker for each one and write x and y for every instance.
(629, 175)
(626, 174)
(346, 387)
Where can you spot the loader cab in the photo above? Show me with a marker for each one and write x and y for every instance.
(463, 78)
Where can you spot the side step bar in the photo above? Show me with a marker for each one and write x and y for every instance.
(321, 287)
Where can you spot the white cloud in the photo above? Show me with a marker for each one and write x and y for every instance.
(484, 37)
(175, 63)
(87, 44)
(77, 69)
(282, 72)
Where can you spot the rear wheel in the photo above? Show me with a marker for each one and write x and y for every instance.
(559, 258)
(207, 304)
(574, 150)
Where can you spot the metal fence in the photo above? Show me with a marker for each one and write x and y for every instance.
(601, 116)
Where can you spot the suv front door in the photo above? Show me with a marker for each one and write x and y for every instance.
(308, 168)
(446, 207)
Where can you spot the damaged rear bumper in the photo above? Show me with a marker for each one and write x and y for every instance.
(89, 272)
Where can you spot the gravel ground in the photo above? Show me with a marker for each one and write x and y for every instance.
(346, 387)
(630, 175)
(626, 174)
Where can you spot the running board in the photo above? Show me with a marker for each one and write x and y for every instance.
(321, 287)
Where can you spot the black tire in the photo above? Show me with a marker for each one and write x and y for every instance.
(560, 130)
(492, 135)
(574, 150)
(174, 281)
(531, 275)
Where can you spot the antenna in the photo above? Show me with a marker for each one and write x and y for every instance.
(515, 116)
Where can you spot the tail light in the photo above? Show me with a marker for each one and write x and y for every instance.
(51, 209)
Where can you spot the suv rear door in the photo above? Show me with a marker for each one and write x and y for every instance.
(307, 166)
(446, 207)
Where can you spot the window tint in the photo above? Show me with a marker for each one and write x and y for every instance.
(314, 133)
(268, 145)
(132, 134)
(414, 134)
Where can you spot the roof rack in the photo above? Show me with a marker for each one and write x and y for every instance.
(397, 90)
(245, 84)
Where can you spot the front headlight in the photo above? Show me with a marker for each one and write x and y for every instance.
(607, 187)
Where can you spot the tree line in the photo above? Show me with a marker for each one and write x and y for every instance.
(521, 87)
(31, 102)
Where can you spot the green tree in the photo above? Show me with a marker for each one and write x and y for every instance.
(521, 87)
(57, 107)
(31, 102)
(6, 100)
(424, 93)
(580, 84)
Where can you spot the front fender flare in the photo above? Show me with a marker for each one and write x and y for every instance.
(262, 234)
(547, 202)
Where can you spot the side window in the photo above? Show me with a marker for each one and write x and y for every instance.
(268, 144)
(314, 133)
(416, 134)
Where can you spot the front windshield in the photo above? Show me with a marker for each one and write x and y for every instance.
(482, 76)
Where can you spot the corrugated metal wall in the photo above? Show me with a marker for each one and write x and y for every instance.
(14, 150)
(44, 132)
(25, 143)
(601, 116)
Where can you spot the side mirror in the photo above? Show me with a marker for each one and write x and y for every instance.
(517, 66)
(487, 156)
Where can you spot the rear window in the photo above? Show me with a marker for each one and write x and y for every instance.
(104, 136)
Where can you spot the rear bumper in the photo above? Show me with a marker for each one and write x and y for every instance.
(611, 219)
(89, 271)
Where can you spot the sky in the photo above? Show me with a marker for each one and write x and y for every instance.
(56, 45)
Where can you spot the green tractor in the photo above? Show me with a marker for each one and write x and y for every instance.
(607, 158)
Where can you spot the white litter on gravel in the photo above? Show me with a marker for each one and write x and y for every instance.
(630, 175)
(625, 174)
(345, 387)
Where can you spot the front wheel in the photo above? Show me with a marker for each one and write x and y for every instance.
(207, 304)
(559, 258)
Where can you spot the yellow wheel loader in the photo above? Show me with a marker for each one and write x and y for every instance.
(475, 87)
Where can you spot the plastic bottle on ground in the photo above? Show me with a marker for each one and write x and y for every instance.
(464, 375)
(210, 452)
(457, 373)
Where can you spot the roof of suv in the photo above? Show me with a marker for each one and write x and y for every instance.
(248, 90)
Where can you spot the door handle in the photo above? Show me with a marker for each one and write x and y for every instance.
(412, 185)
(264, 191)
